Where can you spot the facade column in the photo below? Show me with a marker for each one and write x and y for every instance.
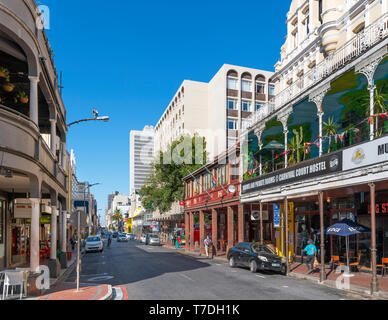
(34, 99)
(317, 97)
(53, 232)
(373, 249)
(240, 220)
(35, 228)
(368, 68)
(63, 236)
(285, 218)
(321, 213)
(230, 222)
(258, 132)
(214, 230)
(53, 136)
(192, 243)
(261, 223)
(187, 231)
(201, 231)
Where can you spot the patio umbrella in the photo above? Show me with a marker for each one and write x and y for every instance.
(346, 228)
(271, 147)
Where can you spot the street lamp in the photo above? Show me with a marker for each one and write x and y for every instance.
(96, 117)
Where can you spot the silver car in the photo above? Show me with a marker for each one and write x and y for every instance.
(153, 240)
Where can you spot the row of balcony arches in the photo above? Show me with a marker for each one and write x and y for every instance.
(246, 76)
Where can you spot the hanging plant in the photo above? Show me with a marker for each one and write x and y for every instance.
(4, 73)
(22, 97)
(8, 87)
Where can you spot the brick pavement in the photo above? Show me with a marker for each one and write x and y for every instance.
(67, 291)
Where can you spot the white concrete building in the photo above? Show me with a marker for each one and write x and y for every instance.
(141, 156)
(215, 110)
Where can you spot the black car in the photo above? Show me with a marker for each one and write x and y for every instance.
(256, 257)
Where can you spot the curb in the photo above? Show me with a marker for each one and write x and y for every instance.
(109, 295)
(196, 255)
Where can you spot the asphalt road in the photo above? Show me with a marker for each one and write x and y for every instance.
(156, 273)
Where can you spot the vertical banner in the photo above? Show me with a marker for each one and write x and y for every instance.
(276, 216)
(291, 230)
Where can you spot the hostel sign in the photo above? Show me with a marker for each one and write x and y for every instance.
(308, 169)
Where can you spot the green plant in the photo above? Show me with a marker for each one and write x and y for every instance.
(330, 129)
(296, 146)
(380, 106)
(20, 96)
(4, 73)
(8, 87)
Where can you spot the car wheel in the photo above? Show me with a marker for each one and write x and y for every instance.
(232, 262)
(253, 266)
(283, 270)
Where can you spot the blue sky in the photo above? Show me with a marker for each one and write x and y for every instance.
(128, 59)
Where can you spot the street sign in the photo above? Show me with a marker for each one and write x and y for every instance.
(276, 216)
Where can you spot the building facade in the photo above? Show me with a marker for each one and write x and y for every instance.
(317, 153)
(33, 178)
(141, 156)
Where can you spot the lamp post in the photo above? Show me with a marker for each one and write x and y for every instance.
(96, 118)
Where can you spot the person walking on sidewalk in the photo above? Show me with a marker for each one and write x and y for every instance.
(109, 239)
(311, 251)
(207, 243)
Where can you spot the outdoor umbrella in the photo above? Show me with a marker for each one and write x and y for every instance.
(270, 148)
(346, 228)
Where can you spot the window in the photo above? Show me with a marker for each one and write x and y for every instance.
(232, 84)
(271, 90)
(246, 86)
(232, 104)
(232, 124)
(246, 106)
(258, 106)
(260, 88)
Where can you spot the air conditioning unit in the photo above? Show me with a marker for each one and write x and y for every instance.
(45, 206)
(22, 209)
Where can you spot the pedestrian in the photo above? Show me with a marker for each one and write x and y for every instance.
(311, 251)
(207, 245)
(109, 239)
(179, 242)
(174, 240)
(72, 243)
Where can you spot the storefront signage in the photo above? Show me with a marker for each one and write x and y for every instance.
(42, 220)
(308, 169)
(276, 216)
(366, 154)
(381, 208)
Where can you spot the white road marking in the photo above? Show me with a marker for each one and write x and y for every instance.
(285, 286)
(187, 277)
(100, 278)
(260, 276)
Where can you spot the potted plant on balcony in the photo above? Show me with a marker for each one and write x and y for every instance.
(330, 130)
(22, 97)
(4, 73)
(8, 87)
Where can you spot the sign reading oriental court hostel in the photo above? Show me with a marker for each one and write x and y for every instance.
(308, 169)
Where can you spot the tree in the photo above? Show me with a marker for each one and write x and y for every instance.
(330, 129)
(118, 217)
(380, 106)
(164, 185)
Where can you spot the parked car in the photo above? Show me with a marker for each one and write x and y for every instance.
(94, 243)
(153, 240)
(131, 236)
(143, 239)
(122, 237)
(256, 257)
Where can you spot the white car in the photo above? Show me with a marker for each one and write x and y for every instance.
(94, 243)
(143, 239)
(153, 240)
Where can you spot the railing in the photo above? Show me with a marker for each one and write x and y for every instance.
(370, 36)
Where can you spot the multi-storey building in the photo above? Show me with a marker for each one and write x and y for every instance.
(215, 110)
(141, 156)
(32, 140)
(327, 130)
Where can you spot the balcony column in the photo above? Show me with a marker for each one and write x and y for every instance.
(187, 231)
(35, 226)
(261, 223)
(285, 217)
(317, 97)
(192, 243)
(283, 118)
(53, 136)
(258, 132)
(34, 99)
(368, 68)
(63, 236)
(322, 226)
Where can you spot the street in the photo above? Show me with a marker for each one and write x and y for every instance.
(140, 272)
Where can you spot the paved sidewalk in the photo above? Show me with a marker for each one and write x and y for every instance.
(68, 291)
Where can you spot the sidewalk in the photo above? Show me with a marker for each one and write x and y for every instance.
(67, 291)
(359, 283)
